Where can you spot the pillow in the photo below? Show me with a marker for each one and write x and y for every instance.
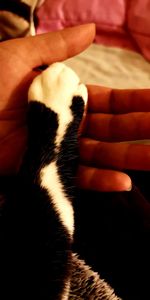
(57, 14)
(120, 23)
(139, 24)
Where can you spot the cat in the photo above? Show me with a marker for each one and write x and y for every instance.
(39, 226)
(18, 18)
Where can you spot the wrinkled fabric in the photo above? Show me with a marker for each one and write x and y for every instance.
(139, 24)
(111, 67)
(121, 23)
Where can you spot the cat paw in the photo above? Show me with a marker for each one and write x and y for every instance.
(56, 86)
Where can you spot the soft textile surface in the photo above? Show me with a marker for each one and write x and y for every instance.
(109, 16)
(112, 67)
(121, 23)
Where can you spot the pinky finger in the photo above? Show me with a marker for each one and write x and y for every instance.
(103, 180)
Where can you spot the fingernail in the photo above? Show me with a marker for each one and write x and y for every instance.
(128, 184)
(129, 189)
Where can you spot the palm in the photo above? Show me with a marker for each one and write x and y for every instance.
(18, 59)
(13, 95)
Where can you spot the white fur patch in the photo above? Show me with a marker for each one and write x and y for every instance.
(55, 87)
(50, 180)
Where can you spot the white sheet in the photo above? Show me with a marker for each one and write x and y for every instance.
(112, 67)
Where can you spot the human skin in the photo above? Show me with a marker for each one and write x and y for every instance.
(101, 160)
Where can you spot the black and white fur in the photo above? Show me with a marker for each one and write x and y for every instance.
(18, 18)
(37, 224)
(56, 106)
(40, 212)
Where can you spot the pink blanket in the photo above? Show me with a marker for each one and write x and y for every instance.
(123, 23)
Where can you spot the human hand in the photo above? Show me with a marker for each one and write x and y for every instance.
(114, 116)
(18, 60)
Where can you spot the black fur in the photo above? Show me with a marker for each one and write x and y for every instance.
(19, 8)
(67, 160)
(36, 247)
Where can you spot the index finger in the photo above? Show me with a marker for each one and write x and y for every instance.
(115, 101)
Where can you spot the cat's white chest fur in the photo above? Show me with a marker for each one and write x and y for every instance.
(56, 87)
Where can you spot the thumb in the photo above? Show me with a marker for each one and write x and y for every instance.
(51, 47)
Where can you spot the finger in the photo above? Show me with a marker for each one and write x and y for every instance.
(109, 100)
(125, 127)
(115, 155)
(102, 180)
(56, 46)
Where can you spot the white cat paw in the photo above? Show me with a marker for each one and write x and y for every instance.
(56, 86)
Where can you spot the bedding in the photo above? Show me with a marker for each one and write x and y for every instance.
(122, 38)
(112, 67)
(120, 23)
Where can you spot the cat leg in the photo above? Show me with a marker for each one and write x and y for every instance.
(56, 87)
(56, 105)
